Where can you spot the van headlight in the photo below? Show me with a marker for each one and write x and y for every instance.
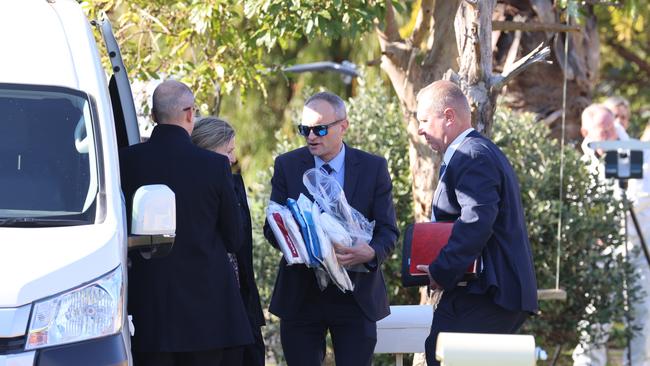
(91, 311)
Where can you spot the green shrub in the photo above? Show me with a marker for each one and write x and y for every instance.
(591, 271)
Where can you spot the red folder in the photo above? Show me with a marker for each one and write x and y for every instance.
(428, 240)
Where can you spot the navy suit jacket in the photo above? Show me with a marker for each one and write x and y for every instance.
(188, 300)
(368, 188)
(479, 192)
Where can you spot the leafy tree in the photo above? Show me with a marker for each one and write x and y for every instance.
(625, 70)
(220, 50)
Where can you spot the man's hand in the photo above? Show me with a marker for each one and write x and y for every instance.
(349, 256)
(432, 283)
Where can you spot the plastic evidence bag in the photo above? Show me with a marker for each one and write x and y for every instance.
(287, 233)
(329, 195)
(337, 273)
(292, 205)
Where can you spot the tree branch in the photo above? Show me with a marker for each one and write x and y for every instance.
(398, 52)
(392, 30)
(540, 53)
(476, 41)
(513, 51)
(629, 55)
(423, 23)
(443, 46)
(375, 62)
(509, 26)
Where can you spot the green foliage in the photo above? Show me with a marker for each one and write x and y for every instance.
(376, 127)
(278, 20)
(213, 47)
(203, 43)
(223, 45)
(622, 27)
(592, 270)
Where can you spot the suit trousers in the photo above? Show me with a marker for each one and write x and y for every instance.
(197, 358)
(353, 335)
(462, 312)
(249, 355)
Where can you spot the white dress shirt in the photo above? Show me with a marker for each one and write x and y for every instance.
(337, 164)
(449, 153)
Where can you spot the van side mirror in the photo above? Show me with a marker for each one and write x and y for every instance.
(153, 219)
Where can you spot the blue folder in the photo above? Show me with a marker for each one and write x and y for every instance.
(304, 230)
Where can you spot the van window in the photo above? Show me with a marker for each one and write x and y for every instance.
(48, 162)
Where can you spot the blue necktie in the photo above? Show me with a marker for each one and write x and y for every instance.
(443, 167)
(327, 169)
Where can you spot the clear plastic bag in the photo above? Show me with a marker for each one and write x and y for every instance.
(287, 234)
(337, 273)
(300, 233)
(329, 195)
(299, 219)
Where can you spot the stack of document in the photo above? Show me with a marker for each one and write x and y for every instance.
(305, 235)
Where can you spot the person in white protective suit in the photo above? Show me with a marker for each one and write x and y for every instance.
(598, 124)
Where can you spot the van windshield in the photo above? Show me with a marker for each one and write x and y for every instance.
(48, 164)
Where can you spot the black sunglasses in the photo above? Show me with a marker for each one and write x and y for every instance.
(320, 130)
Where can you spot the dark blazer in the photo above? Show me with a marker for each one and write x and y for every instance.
(479, 191)
(248, 289)
(188, 300)
(368, 188)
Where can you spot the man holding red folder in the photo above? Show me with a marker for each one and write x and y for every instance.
(479, 192)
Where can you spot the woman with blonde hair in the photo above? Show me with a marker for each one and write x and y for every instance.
(217, 135)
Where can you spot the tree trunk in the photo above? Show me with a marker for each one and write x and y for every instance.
(474, 30)
(526, 92)
(410, 69)
(451, 40)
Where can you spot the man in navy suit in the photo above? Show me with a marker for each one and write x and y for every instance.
(478, 191)
(306, 312)
(186, 306)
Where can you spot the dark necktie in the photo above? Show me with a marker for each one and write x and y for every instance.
(443, 167)
(327, 169)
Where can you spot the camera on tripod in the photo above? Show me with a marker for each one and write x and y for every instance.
(623, 159)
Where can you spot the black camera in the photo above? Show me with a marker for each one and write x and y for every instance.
(623, 159)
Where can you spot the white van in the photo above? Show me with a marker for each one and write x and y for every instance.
(63, 228)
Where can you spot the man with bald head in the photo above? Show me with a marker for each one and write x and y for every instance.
(600, 122)
(597, 124)
(479, 192)
(186, 306)
(306, 312)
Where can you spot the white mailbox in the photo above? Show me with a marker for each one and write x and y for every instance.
(404, 330)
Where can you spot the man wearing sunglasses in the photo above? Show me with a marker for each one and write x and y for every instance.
(306, 312)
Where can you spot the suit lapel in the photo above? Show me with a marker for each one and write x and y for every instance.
(351, 172)
(306, 162)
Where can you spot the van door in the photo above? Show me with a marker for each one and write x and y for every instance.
(126, 120)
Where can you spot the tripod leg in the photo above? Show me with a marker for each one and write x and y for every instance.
(646, 252)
